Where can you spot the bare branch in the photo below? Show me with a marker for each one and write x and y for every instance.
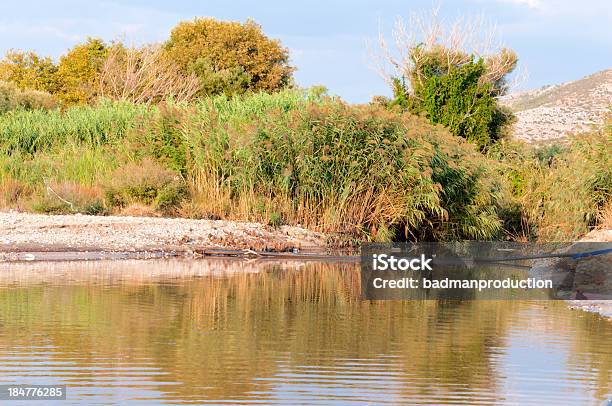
(144, 75)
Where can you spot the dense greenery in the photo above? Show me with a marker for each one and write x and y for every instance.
(457, 90)
(299, 158)
(360, 171)
(204, 126)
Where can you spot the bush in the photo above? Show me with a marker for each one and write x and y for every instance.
(229, 56)
(457, 97)
(148, 183)
(294, 157)
(357, 170)
(67, 198)
(79, 71)
(563, 192)
(13, 98)
(447, 71)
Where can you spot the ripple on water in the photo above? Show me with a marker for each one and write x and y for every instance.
(175, 332)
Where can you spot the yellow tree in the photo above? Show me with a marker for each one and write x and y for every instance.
(229, 56)
(79, 71)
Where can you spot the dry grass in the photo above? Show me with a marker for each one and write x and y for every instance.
(13, 192)
(68, 197)
(605, 217)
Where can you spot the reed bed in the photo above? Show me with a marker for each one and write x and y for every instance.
(296, 157)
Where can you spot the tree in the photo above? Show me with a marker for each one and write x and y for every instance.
(27, 70)
(144, 75)
(229, 57)
(450, 73)
(79, 71)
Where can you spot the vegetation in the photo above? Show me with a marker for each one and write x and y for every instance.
(201, 58)
(202, 127)
(229, 57)
(563, 191)
(449, 73)
(79, 71)
(27, 70)
(456, 97)
(144, 75)
(274, 158)
(14, 98)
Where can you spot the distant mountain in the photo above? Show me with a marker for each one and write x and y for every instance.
(553, 112)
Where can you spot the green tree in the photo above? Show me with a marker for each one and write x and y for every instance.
(230, 57)
(448, 72)
(461, 96)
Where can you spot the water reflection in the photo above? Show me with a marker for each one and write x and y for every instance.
(230, 331)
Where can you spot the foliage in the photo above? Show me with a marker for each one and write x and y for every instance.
(360, 172)
(27, 70)
(345, 169)
(563, 192)
(457, 97)
(13, 98)
(451, 72)
(146, 182)
(79, 71)
(229, 56)
(230, 81)
(29, 132)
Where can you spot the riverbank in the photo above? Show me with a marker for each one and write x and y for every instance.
(36, 237)
(601, 307)
(29, 233)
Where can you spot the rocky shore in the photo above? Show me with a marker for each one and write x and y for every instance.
(22, 233)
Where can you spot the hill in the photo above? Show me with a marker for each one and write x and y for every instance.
(553, 112)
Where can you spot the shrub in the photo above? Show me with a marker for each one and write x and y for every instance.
(456, 99)
(147, 183)
(229, 56)
(79, 71)
(449, 74)
(67, 198)
(293, 157)
(229, 82)
(358, 170)
(13, 98)
(27, 70)
(563, 191)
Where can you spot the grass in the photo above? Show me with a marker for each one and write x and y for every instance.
(562, 191)
(356, 172)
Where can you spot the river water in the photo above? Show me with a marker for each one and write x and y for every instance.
(170, 332)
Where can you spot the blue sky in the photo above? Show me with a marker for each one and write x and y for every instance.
(556, 40)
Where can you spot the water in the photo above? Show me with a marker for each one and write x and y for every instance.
(170, 332)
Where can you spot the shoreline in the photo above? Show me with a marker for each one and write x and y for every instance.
(83, 236)
(40, 238)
